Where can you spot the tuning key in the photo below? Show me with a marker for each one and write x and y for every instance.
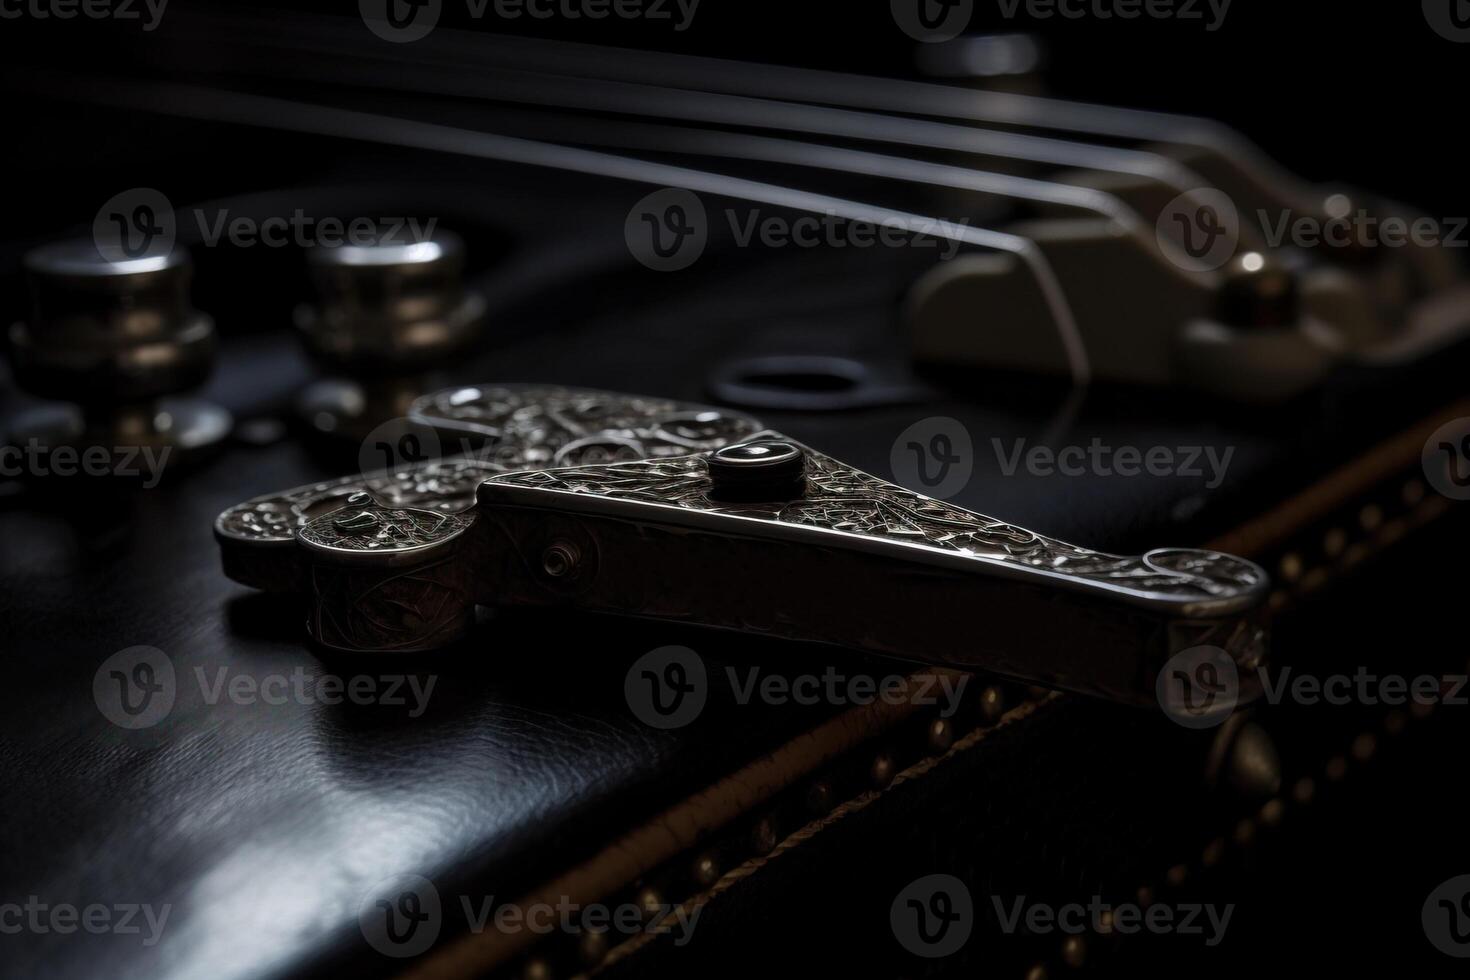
(385, 316)
(111, 338)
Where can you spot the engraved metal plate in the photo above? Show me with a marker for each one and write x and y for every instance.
(606, 503)
(517, 426)
(857, 561)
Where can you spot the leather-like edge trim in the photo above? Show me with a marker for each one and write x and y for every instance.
(673, 831)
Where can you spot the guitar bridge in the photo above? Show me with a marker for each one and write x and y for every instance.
(687, 514)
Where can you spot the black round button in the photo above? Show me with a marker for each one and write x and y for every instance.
(755, 471)
(1259, 291)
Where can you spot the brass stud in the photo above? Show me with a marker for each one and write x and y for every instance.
(1333, 542)
(1278, 600)
(1370, 517)
(1037, 972)
(650, 902)
(941, 735)
(1364, 747)
(1145, 896)
(706, 870)
(537, 969)
(1413, 492)
(819, 797)
(1074, 951)
(1336, 769)
(1214, 851)
(1421, 710)
(763, 836)
(1291, 566)
(992, 703)
(1176, 875)
(1245, 832)
(882, 771)
(1272, 812)
(1395, 722)
(1105, 922)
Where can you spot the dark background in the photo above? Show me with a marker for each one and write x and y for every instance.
(1364, 94)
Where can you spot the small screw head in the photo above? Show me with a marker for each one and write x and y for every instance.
(560, 559)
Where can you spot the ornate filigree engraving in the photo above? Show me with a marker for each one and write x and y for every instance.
(368, 525)
(545, 426)
(841, 498)
(572, 483)
(523, 426)
(418, 608)
(445, 486)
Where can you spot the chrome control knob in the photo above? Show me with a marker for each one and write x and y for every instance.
(384, 317)
(113, 338)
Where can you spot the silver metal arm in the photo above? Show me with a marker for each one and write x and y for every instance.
(657, 509)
